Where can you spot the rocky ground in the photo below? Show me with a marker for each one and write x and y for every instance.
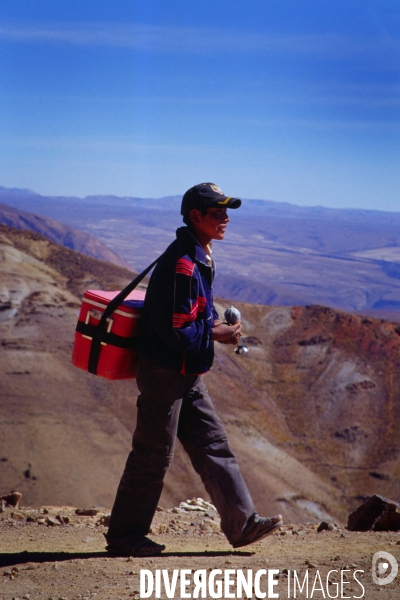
(59, 553)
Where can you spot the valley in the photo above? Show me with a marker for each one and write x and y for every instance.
(312, 410)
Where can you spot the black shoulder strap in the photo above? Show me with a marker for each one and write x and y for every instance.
(101, 329)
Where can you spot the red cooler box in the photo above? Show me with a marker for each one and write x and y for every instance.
(118, 356)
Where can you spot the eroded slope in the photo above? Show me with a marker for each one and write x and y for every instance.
(311, 410)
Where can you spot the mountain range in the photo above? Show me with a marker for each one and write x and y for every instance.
(273, 253)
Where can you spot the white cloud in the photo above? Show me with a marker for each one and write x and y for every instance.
(322, 124)
(99, 144)
(198, 41)
(291, 92)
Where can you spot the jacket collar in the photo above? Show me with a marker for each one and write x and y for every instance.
(184, 235)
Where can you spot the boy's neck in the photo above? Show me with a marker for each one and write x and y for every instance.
(203, 239)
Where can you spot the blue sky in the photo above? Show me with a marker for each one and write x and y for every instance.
(293, 101)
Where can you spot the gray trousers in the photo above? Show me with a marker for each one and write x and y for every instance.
(172, 405)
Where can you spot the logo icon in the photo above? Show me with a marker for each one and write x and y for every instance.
(216, 189)
(381, 562)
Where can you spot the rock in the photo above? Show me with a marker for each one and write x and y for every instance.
(12, 499)
(211, 514)
(52, 521)
(324, 526)
(197, 504)
(376, 514)
(104, 520)
(86, 512)
(18, 516)
(63, 520)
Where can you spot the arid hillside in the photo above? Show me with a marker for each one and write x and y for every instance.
(312, 410)
(59, 233)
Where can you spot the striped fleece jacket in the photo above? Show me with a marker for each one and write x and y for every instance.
(178, 312)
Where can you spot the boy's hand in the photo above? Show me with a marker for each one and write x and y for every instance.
(226, 334)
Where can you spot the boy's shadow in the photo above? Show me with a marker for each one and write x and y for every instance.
(8, 559)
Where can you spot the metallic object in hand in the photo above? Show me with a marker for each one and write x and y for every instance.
(232, 316)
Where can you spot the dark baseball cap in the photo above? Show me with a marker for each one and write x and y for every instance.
(207, 195)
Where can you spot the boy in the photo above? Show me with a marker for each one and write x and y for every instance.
(179, 328)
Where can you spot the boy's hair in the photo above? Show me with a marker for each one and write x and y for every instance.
(186, 218)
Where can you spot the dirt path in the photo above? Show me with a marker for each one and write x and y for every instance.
(53, 553)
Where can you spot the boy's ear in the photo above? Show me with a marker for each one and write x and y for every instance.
(194, 215)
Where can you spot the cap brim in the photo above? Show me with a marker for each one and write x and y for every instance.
(229, 203)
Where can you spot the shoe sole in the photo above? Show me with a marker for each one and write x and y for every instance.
(138, 553)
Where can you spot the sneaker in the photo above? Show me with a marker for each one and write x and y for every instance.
(258, 528)
(141, 547)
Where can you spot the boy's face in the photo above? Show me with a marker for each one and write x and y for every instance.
(212, 225)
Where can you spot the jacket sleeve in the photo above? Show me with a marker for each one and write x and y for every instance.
(189, 305)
